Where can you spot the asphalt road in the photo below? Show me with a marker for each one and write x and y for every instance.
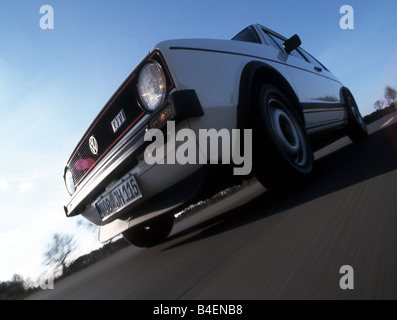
(291, 248)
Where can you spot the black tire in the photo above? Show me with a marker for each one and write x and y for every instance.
(356, 127)
(150, 233)
(282, 154)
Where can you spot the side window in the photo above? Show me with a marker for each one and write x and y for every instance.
(274, 44)
(279, 43)
(313, 61)
(247, 35)
(298, 54)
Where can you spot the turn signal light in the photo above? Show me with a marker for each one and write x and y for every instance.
(162, 117)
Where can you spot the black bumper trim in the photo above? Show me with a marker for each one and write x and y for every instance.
(185, 104)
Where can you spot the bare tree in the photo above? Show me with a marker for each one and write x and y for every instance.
(378, 105)
(58, 252)
(390, 95)
(14, 289)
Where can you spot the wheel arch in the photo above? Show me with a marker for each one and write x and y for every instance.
(254, 74)
(344, 92)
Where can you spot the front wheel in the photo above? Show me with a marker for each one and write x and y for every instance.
(356, 127)
(150, 233)
(282, 155)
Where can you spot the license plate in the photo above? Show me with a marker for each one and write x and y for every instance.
(125, 192)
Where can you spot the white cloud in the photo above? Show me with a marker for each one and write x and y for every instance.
(24, 187)
(3, 185)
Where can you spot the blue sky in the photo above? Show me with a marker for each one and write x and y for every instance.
(54, 82)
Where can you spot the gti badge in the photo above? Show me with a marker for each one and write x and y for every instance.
(118, 121)
(93, 145)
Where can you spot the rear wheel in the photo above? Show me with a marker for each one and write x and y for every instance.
(282, 155)
(356, 127)
(151, 232)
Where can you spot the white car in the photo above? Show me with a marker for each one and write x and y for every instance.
(259, 81)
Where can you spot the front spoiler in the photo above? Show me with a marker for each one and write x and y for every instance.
(169, 201)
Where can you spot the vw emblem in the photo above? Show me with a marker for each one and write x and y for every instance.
(93, 145)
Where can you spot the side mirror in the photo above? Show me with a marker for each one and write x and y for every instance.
(292, 43)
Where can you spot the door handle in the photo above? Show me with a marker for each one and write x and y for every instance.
(318, 69)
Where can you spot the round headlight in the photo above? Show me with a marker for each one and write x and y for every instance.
(69, 181)
(151, 86)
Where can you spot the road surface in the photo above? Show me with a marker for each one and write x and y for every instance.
(291, 248)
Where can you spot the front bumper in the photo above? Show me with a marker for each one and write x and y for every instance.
(171, 199)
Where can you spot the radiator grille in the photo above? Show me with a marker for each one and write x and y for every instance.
(125, 99)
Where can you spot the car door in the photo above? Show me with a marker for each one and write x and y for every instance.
(322, 110)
